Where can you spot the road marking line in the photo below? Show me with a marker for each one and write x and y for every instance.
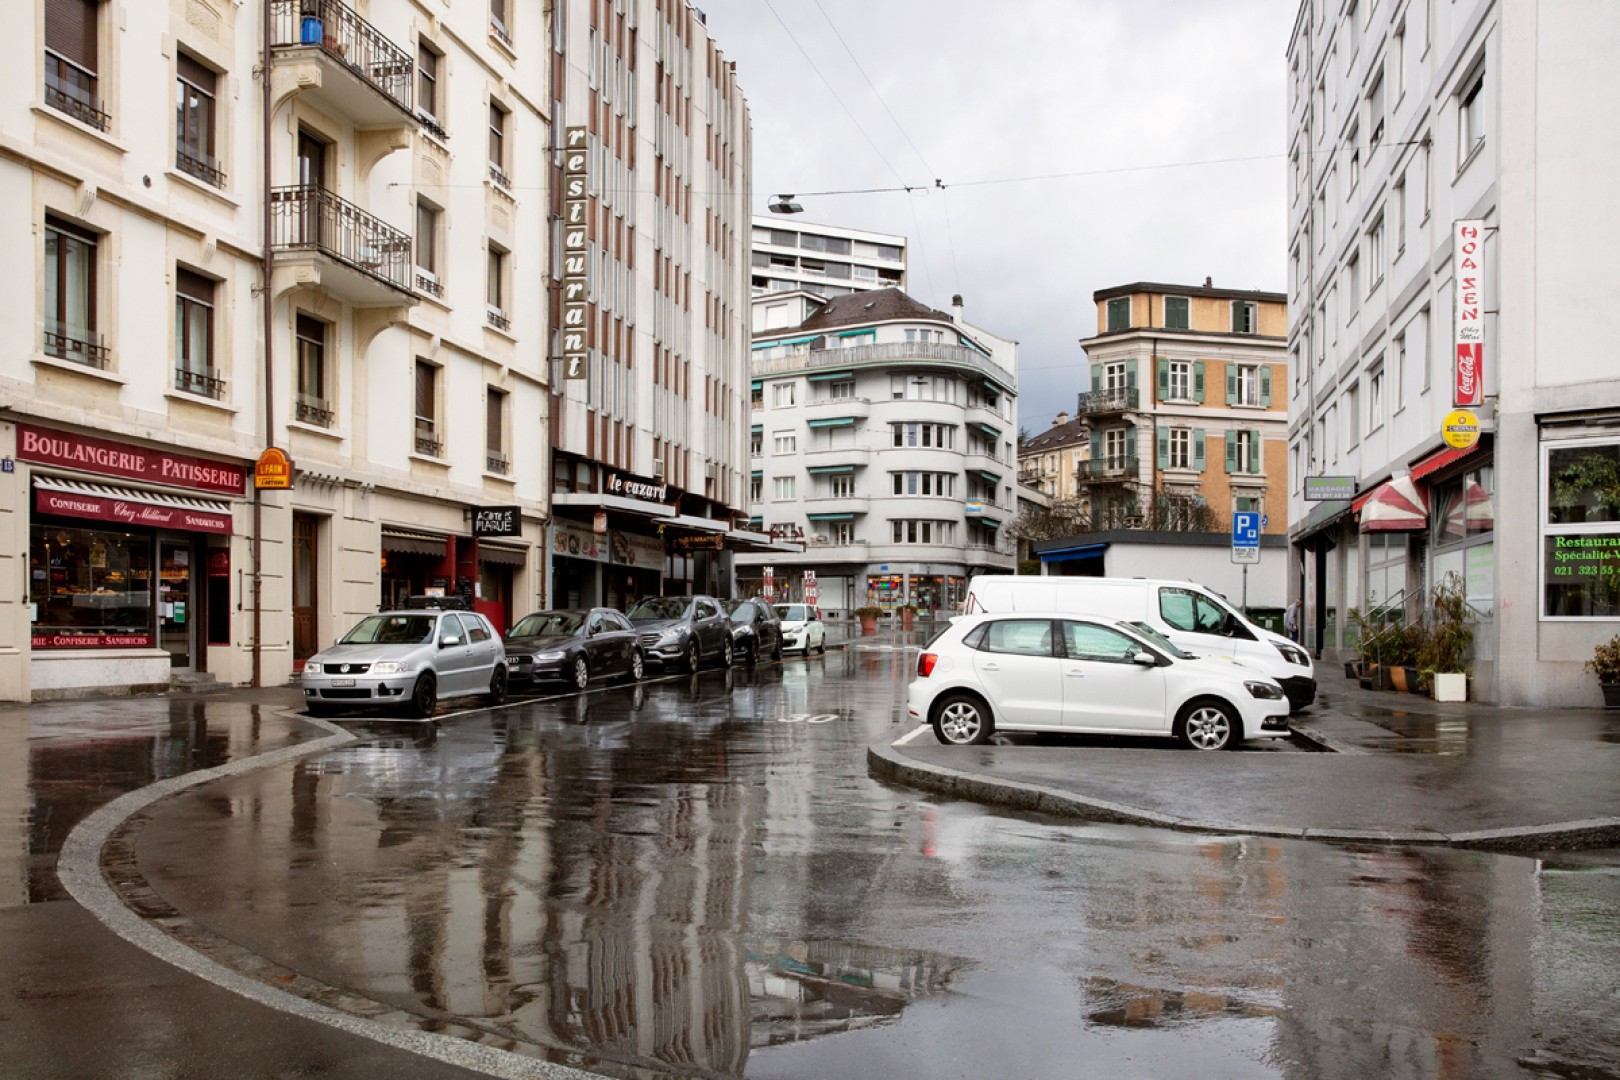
(912, 734)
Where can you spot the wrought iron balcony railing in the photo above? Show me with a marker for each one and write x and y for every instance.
(75, 343)
(71, 89)
(343, 35)
(309, 218)
(204, 168)
(312, 410)
(430, 445)
(1117, 467)
(497, 463)
(203, 383)
(1116, 400)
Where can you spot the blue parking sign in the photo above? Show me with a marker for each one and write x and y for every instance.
(1246, 529)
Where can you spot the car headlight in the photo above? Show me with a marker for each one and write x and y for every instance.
(1292, 653)
(550, 657)
(1263, 690)
(670, 637)
(390, 667)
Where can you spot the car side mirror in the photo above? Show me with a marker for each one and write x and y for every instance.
(1146, 659)
(449, 642)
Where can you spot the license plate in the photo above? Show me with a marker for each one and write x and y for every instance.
(342, 682)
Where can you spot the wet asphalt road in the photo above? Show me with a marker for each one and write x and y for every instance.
(696, 877)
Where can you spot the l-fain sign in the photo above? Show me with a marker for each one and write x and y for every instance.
(1468, 332)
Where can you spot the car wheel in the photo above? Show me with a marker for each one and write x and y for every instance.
(580, 675)
(750, 654)
(728, 654)
(962, 720)
(1209, 725)
(821, 646)
(497, 687)
(638, 666)
(693, 657)
(424, 696)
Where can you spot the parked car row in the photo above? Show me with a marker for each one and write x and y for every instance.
(413, 659)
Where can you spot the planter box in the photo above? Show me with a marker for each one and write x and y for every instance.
(1611, 695)
(1450, 686)
(1352, 669)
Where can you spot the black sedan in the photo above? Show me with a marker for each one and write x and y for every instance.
(573, 647)
(755, 629)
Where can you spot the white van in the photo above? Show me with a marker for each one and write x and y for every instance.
(1187, 613)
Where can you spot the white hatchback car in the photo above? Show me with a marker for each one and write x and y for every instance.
(802, 628)
(408, 659)
(1060, 672)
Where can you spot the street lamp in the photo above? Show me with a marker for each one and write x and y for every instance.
(784, 204)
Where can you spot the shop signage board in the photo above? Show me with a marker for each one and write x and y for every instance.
(631, 488)
(1468, 331)
(497, 521)
(273, 470)
(124, 512)
(576, 251)
(91, 641)
(1460, 429)
(769, 589)
(575, 541)
(810, 589)
(1246, 536)
(712, 542)
(1329, 488)
(88, 454)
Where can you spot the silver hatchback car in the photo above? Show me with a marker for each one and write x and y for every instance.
(408, 659)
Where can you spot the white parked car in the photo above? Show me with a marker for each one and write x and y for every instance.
(409, 659)
(802, 628)
(1062, 672)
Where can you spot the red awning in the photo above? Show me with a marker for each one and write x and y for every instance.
(1440, 459)
(129, 506)
(1394, 506)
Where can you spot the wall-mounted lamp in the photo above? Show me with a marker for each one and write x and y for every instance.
(784, 204)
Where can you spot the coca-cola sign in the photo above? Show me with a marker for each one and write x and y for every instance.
(1468, 332)
(94, 455)
(106, 508)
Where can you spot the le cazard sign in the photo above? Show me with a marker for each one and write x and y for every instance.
(576, 251)
(1468, 332)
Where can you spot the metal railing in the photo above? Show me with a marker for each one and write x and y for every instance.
(307, 217)
(201, 383)
(429, 445)
(310, 410)
(893, 352)
(1124, 467)
(75, 343)
(203, 168)
(428, 284)
(498, 175)
(1117, 400)
(496, 463)
(339, 32)
(71, 89)
(498, 319)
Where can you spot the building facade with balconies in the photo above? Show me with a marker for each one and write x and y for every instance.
(1186, 420)
(827, 260)
(882, 440)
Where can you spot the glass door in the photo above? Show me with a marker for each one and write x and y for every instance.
(176, 610)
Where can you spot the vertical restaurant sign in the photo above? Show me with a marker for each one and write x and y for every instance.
(1468, 332)
(576, 253)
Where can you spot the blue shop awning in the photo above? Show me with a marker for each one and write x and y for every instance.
(837, 421)
(1084, 551)
(831, 517)
(829, 376)
(785, 341)
(831, 470)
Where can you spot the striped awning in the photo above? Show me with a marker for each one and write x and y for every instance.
(405, 542)
(1396, 505)
(130, 506)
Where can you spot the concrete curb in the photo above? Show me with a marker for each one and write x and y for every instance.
(80, 872)
(884, 762)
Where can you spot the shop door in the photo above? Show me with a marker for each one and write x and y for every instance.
(177, 614)
(304, 594)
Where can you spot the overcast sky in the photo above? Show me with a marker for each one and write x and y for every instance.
(857, 94)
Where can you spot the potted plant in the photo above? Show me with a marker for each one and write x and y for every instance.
(908, 616)
(1448, 641)
(1605, 664)
(868, 616)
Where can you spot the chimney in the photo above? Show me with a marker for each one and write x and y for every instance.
(956, 307)
(1060, 419)
(1209, 282)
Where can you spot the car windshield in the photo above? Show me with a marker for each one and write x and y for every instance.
(1157, 640)
(741, 611)
(548, 624)
(791, 612)
(392, 630)
(654, 608)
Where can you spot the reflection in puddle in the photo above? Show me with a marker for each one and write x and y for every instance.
(1117, 1004)
(802, 990)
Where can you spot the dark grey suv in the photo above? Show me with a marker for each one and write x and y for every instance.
(682, 631)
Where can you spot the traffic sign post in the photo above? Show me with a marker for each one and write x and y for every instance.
(1246, 526)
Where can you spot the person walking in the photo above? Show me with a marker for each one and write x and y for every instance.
(1291, 621)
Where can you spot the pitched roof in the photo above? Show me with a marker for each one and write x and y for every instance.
(1055, 436)
(874, 305)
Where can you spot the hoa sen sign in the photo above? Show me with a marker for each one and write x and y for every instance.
(1468, 332)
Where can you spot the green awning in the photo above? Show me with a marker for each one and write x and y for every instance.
(785, 341)
(832, 517)
(757, 474)
(757, 385)
(994, 433)
(990, 476)
(756, 429)
(990, 523)
(838, 421)
(831, 470)
(829, 376)
(859, 333)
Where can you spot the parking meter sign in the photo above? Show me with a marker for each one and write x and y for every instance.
(1246, 536)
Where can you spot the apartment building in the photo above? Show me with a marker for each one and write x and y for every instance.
(824, 259)
(1447, 167)
(1186, 420)
(350, 264)
(882, 440)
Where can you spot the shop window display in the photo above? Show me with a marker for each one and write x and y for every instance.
(91, 587)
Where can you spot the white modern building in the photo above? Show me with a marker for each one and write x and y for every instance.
(357, 262)
(824, 259)
(883, 439)
(1405, 119)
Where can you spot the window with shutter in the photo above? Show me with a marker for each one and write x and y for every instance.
(1176, 312)
(194, 334)
(71, 32)
(427, 441)
(194, 121)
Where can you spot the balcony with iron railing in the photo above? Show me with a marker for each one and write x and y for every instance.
(923, 353)
(202, 383)
(1118, 399)
(371, 259)
(315, 411)
(1118, 468)
(201, 166)
(497, 463)
(429, 444)
(71, 89)
(75, 344)
(372, 80)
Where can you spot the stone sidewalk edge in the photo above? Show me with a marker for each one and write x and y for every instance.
(885, 762)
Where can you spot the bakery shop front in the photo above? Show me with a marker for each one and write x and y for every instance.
(129, 561)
